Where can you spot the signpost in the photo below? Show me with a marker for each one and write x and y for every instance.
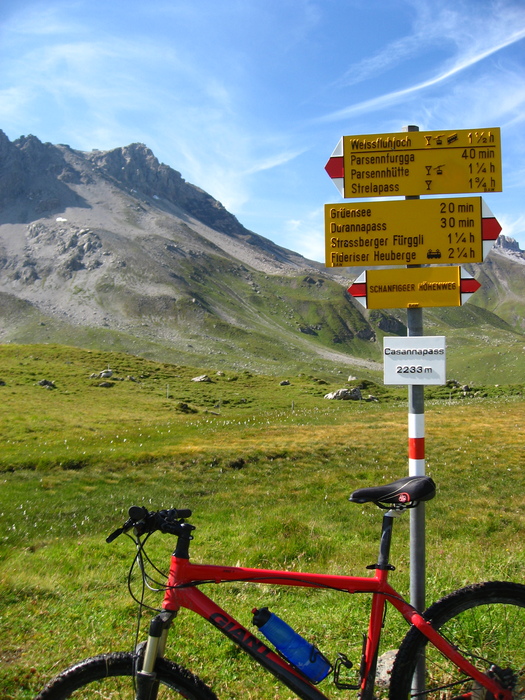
(415, 233)
(417, 162)
(410, 232)
(413, 287)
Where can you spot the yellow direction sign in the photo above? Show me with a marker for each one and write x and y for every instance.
(413, 287)
(417, 163)
(409, 232)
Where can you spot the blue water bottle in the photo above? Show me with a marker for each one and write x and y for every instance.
(300, 653)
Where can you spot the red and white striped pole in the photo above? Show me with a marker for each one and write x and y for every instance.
(416, 467)
(416, 444)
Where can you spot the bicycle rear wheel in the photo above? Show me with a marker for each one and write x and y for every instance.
(486, 622)
(111, 677)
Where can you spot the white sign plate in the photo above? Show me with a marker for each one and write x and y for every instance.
(414, 360)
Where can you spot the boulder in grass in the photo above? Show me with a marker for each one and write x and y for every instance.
(202, 378)
(353, 394)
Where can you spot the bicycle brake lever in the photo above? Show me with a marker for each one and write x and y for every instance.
(136, 514)
(118, 532)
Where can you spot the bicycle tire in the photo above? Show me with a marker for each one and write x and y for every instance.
(111, 676)
(486, 622)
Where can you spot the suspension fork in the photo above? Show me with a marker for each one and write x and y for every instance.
(146, 679)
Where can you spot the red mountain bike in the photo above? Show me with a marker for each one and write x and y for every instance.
(472, 639)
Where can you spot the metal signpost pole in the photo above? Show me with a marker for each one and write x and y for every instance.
(416, 454)
(416, 460)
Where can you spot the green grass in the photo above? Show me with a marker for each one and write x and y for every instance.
(267, 470)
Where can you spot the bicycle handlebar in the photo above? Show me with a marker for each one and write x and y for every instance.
(166, 521)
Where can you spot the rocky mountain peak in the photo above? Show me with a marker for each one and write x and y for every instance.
(137, 168)
(43, 176)
(507, 243)
(33, 178)
(132, 165)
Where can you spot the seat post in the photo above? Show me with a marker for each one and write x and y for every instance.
(383, 560)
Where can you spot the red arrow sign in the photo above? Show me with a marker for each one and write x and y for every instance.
(336, 168)
(468, 285)
(490, 228)
(413, 287)
(358, 289)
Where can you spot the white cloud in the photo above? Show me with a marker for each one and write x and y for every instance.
(273, 161)
(40, 20)
(491, 99)
(513, 227)
(474, 39)
(391, 98)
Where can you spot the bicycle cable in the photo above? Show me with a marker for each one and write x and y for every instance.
(138, 560)
(144, 555)
(422, 693)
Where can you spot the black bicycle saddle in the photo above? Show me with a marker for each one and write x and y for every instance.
(407, 492)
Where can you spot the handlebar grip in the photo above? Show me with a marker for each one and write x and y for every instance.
(183, 513)
(114, 535)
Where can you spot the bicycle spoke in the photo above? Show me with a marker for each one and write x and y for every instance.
(486, 635)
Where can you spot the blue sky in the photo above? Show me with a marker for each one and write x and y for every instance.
(248, 98)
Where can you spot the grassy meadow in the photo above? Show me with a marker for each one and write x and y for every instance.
(267, 470)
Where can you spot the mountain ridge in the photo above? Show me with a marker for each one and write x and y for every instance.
(113, 248)
(133, 169)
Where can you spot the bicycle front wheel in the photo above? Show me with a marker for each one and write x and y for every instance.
(486, 622)
(111, 677)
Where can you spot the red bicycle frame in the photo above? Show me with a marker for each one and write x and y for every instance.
(182, 592)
